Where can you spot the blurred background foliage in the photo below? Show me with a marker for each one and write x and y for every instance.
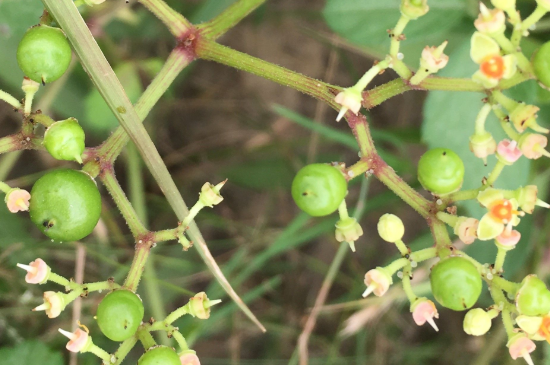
(216, 123)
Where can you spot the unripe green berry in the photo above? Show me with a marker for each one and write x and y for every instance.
(160, 355)
(441, 171)
(456, 283)
(64, 140)
(44, 53)
(533, 297)
(391, 228)
(541, 64)
(119, 314)
(65, 204)
(318, 189)
(477, 322)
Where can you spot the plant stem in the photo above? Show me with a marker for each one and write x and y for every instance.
(58, 279)
(449, 219)
(181, 311)
(499, 261)
(174, 21)
(499, 166)
(99, 352)
(481, 118)
(101, 285)
(441, 237)
(138, 265)
(130, 216)
(146, 339)
(10, 99)
(396, 265)
(407, 288)
(424, 254)
(228, 18)
(19, 141)
(533, 18)
(180, 340)
(124, 348)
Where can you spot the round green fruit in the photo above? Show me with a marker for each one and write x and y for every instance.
(44, 53)
(119, 314)
(318, 189)
(441, 171)
(64, 140)
(533, 298)
(456, 283)
(541, 64)
(160, 355)
(65, 204)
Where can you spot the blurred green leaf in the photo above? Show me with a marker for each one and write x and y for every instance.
(365, 22)
(209, 9)
(30, 352)
(269, 173)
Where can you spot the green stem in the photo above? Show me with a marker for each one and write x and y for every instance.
(124, 349)
(450, 219)
(508, 286)
(508, 323)
(174, 21)
(99, 352)
(461, 195)
(41, 118)
(193, 212)
(143, 250)
(424, 254)
(403, 249)
(175, 63)
(441, 237)
(407, 288)
(228, 18)
(58, 279)
(396, 265)
(397, 32)
(146, 339)
(180, 340)
(505, 125)
(481, 118)
(4, 187)
(499, 261)
(130, 216)
(508, 103)
(533, 18)
(523, 63)
(343, 210)
(357, 169)
(20, 141)
(499, 166)
(100, 285)
(370, 75)
(181, 311)
(10, 99)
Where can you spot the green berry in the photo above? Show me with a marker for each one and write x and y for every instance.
(64, 140)
(44, 53)
(541, 64)
(65, 204)
(119, 314)
(318, 189)
(533, 298)
(441, 171)
(160, 355)
(456, 283)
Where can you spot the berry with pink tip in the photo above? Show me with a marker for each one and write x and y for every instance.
(78, 340)
(189, 357)
(423, 310)
(37, 271)
(508, 151)
(378, 281)
(521, 346)
(53, 304)
(17, 200)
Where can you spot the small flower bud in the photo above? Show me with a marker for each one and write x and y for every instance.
(508, 152)
(490, 21)
(348, 230)
(423, 310)
(483, 145)
(210, 194)
(17, 200)
(79, 340)
(433, 59)
(525, 116)
(378, 281)
(37, 271)
(199, 305)
(189, 357)
(414, 9)
(54, 304)
(532, 145)
(350, 99)
(477, 322)
(521, 346)
(29, 86)
(526, 197)
(466, 229)
(391, 228)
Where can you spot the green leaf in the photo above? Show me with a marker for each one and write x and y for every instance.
(30, 352)
(365, 22)
(209, 9)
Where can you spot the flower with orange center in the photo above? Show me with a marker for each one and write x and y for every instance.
(502, 213)
(493, 67)
(537, 328)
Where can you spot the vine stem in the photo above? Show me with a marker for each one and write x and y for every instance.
(228, 18)
(174, 21)
(103, 76)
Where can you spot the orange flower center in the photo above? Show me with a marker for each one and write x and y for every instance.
(493, 67)
(544, 329)
(502, 211)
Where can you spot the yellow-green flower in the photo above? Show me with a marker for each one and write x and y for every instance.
(501, 213)
(493, 67)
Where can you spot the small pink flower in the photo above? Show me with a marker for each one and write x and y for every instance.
(78, 339)
(508, 151)
(17, 200)
(521, 346)
(433, 58)
(509, 237)
(424, 311)
(490, 21)
(189, 359)
(532, 145)
(37, 272)
(466, 229)
(377, 282)
(53, 304)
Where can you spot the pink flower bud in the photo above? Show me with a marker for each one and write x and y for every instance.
(377, 282)
(423, 310)
(53, 304)
(433, 58)
(78, 339)
(189, 358)
(483, 145)
(508, 151)
(466, 229)
(17, 200)
(521, 346)
(490, 21)
(37, 272)
(532, 145)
